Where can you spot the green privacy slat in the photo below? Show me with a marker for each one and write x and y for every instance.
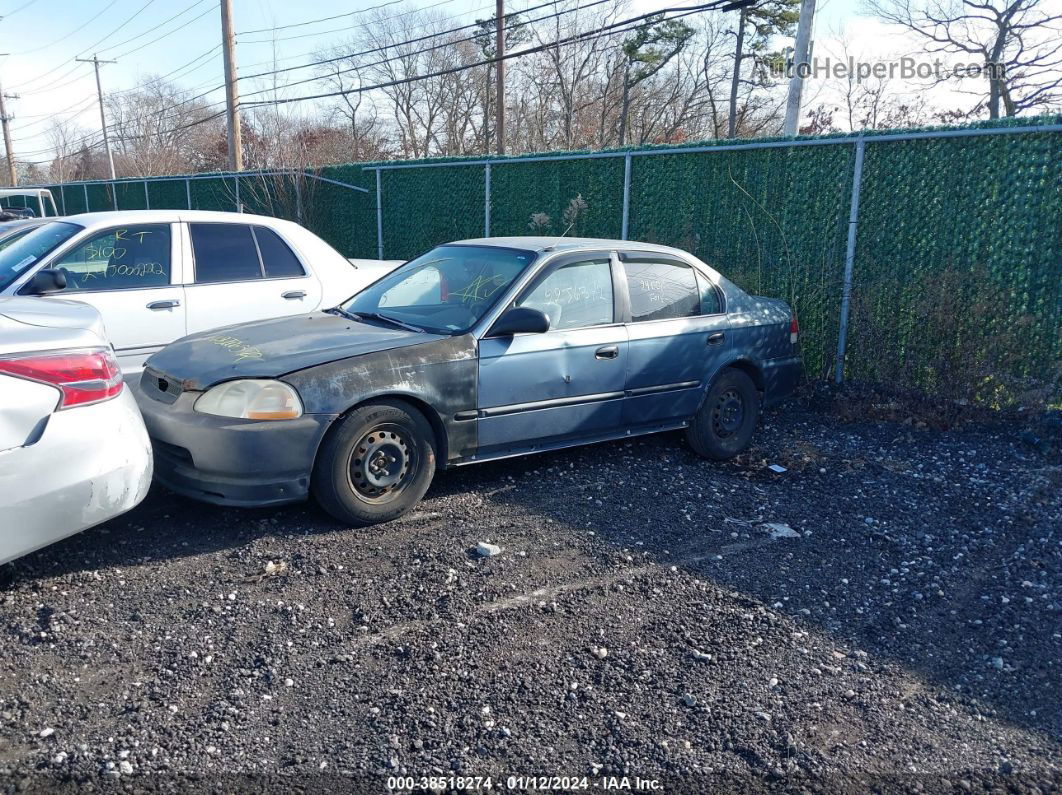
(167, 194)
(957, 279)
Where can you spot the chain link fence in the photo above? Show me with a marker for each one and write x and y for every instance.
(927, 259)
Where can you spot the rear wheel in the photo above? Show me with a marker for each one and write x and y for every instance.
(375, 465)
(723, 426)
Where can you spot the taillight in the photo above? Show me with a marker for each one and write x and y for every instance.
(794, 329)
(83, 376)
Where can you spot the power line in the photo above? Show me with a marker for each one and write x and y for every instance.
(318, 50)
(316, 21)
(167, 35)
(359, 25)
(153, 28)
(437, 46)
(427, 37)
(616, 27)
(15, 11)
(57, 85)
(76, 30)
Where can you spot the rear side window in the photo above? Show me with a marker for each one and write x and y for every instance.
(278, 260)
(662, 290)
(224, 253)
(710, 301)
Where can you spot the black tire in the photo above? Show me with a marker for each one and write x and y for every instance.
(375, 464)
(723, 426)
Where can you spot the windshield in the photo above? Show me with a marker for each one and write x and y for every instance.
(446, 290)
(32, 248)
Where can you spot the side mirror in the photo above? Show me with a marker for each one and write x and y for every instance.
(46, 280)
(520, 320)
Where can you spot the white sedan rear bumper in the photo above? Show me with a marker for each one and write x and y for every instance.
(91, 463)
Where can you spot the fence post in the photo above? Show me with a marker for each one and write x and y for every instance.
(626, 195)
(239, 207)
(87, 208)
(295, 175)
(114, 194)
(62, 198)
(849, 259)
(379, 217)
(147, 199)
(188, 191)
(486, 200)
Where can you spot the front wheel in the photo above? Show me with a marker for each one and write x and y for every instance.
(375, 465)
(723, 426)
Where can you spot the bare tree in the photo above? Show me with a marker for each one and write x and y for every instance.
(65, 138)
(1016, 43)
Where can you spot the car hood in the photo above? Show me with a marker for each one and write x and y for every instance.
(272, 348)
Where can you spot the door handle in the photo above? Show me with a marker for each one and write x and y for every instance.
(608, 352)
(715, 339)
(171, 303)
(291, 295)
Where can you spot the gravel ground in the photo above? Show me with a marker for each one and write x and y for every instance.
(886, 612)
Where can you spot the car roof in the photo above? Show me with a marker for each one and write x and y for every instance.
(111, 217)
(558, 243)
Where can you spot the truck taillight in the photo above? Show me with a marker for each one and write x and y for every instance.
(82, 376)
(794, 329)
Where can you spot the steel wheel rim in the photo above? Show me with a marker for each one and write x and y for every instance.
(382, 464)
(728, 413)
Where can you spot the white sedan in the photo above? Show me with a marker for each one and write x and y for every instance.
(158, 275)
(73, 449)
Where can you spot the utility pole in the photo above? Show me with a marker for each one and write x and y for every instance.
(95, 61)
(500, 47)
(800, 57)
(232, 91)
(4, 119)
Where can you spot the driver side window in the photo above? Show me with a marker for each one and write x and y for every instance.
(126, 258)
(575, 295)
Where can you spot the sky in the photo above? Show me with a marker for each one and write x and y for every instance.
(159, 37)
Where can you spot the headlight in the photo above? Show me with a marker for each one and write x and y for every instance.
(251, 399)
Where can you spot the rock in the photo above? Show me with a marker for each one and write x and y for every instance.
(125, 768)
(780, 530)
(599, 651)
(485, 550)
(46, 732)
(289, 682)
(700, 655)
(997, 663)
(689, 700)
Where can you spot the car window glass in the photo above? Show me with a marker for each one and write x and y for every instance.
(710, 303)
(125, 258)
(661, 290)
(7, 241)
(574, 295)
(28, 251)
(278, 260)
(420, 287)
(448, 289)
(224, 253)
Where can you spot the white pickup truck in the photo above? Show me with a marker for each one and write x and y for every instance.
(157, 275)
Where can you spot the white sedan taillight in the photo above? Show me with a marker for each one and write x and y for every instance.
(82, 376)
(794, 329)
